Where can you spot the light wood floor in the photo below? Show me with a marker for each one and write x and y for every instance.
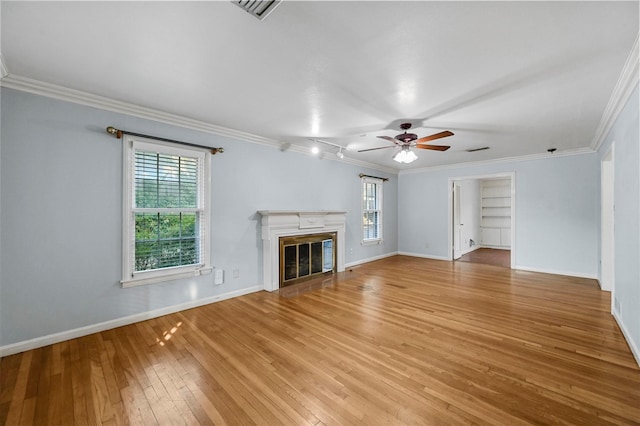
(397, 341)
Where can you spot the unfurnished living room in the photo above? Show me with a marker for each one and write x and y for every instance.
(319, 212)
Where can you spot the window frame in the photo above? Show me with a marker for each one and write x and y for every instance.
(379, 208)
(130, 277)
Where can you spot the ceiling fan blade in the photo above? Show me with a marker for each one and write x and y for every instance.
(390, 139)
(373, 149)
(434, 147)
(435, 136)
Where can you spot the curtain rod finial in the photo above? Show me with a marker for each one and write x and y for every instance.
(215, 151)
(113, 131)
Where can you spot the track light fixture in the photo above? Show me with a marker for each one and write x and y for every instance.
(315, 149)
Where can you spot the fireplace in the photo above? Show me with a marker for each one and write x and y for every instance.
(295, 245)
(306, 256)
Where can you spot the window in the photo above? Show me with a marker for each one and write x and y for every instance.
(371, 210)
(166, 212)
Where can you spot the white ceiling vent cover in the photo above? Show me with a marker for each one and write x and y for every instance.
(258, 8)
(477, 149)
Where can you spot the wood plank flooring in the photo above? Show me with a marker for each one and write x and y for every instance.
(488, 256)
(400, 341)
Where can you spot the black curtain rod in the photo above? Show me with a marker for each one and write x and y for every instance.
(118, 134)
(375, 177)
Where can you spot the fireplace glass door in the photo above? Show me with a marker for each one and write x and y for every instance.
(305, 256)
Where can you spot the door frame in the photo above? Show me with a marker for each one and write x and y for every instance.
(456, 187)
(450, 183)
(607, 222)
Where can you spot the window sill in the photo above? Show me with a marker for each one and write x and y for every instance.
(167, 276)
(371, 242)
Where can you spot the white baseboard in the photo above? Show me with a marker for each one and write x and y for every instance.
(50, 339)
(424, 256)
(601, 288)
(632, 344)
(369, 259)
(556, 272)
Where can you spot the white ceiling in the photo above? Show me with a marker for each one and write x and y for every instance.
(519, 77)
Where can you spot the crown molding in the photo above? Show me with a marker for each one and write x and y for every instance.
(623, 89)
(83, 98)
(531, 157)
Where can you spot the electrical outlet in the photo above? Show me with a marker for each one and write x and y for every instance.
(236, 273)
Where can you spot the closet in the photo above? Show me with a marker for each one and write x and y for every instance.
(495, 215)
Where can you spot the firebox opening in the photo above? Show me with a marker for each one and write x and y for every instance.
(306, 256)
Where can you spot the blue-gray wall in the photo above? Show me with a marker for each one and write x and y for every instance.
(61, 215)
(626, 164)
(61, 195)
(557, 201)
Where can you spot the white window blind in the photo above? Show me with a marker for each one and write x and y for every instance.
(166, 211)
(371, 209)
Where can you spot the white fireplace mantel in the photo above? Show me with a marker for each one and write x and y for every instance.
(285, 223)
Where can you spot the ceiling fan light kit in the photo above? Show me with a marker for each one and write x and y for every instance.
(407, 140)
(405, 156)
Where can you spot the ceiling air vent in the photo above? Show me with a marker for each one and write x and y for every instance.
(258, 8)
(477, 149)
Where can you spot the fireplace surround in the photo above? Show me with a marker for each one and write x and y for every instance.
(278, 224)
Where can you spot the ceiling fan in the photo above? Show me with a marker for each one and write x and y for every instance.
(407, 140)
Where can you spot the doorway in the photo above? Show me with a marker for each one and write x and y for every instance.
(482, 219)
